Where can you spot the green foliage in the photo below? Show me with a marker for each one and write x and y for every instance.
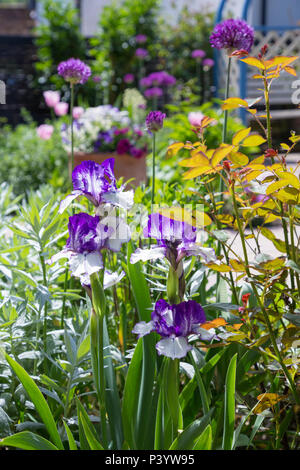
(58, 39)
(114, 49)
(28, 161)
(191, 32)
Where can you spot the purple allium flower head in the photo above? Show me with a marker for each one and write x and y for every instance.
(198, 54)
(128, 78)
(98, 184)
(174, 323)
(232, 34)
(140, 38)
(141, 53)
(97, 78)
(155, 121)
(74, 71)
(160, 79)
(208, 62)
(146, 82)
(154, 92)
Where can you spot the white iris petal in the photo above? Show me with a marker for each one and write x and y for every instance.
(173, 347)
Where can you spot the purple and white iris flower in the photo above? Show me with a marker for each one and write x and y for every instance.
(98, 184)
(175, 323)
(88, 235)
(175, 241)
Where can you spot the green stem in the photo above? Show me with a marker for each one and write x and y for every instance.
(267, 101)
(202, 391)
(63, 310)
(72, 127)
(269, 140)
(234, 292)
(224, 137)
(262, 307)
(46, 303)
(97, 345)
(153, 170)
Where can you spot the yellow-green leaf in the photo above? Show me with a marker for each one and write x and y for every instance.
(233, 103)
(253, 141)
(221, 153)
(240, 135)
(253, 62)
(221, 268)
(239, 159)
(194, 172)
(174, 149)
(198, 159)
(275, 186)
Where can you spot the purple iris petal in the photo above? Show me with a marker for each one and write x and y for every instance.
(93, 180)
(82, 233)
(186, 315)
(164, 229)
(232, 34)
(174, 323)
(175, 240)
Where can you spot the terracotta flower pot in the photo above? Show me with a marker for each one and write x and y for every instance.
(126, 166)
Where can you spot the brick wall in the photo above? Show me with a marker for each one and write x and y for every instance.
(17, 57)
(15, 21)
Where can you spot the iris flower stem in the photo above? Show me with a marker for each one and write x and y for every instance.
(97, 344)
(262, 307)
(63, 310)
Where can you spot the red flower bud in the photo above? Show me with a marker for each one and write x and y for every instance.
(226, 165)
(271, 153)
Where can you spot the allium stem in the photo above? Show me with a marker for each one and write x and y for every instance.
(72, 127)
(224, 133)
(224, 137)
(153, 170)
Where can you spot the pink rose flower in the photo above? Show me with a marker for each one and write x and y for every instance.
(44, 131)
(61, 108)
(77, 112)
(51, 98)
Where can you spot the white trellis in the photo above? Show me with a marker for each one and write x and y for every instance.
(280, 43)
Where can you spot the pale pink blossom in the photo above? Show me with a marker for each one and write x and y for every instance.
(195, 118)
(77, 112)
(61, 108)
(45, 131)
(51, 98)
